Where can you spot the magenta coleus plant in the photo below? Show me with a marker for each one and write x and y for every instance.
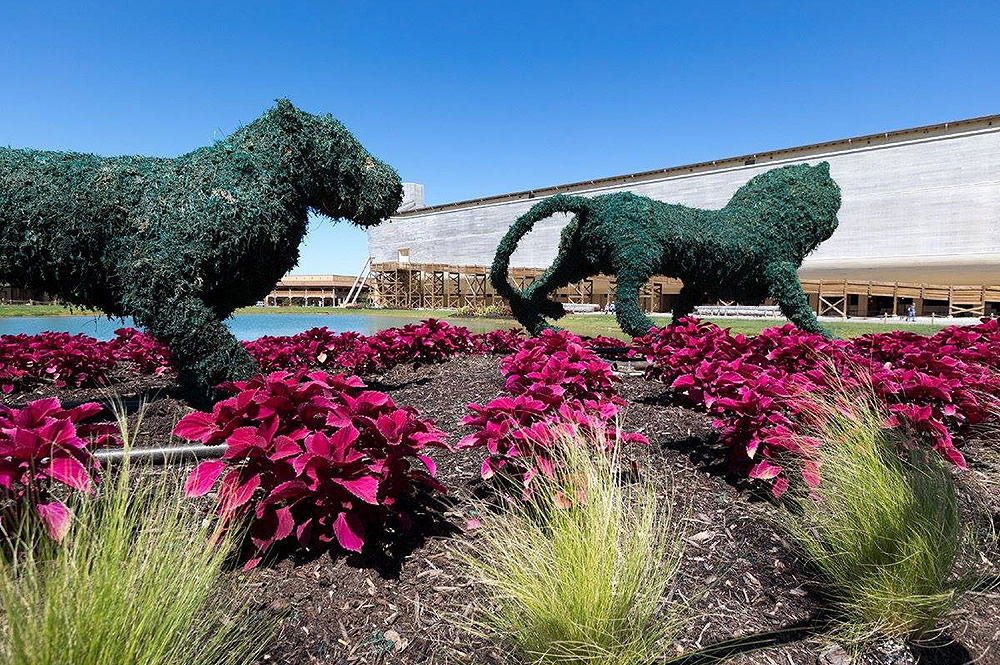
(142, 353)
(312, 457)
(427, 342)
(554, 381)
(311, 349)
(937, 386)
(557, 367)
(42, 445)
(499, 341)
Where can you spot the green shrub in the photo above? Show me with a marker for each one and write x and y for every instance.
(577, 572)
(136, 580)
(484, 312)
(747, 251)
(883, 527)
(179, 244)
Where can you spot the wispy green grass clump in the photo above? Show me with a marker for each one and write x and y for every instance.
(136, 580)
(577, 573)
(883, 527)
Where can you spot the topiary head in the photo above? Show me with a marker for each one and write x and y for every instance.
(793, 205)
(343, 180)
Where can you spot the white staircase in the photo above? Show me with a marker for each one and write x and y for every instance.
(360, 281)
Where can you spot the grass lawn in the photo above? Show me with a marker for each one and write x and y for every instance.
(581, 324)
(605, 324)
(45, 310)
(596, 324)
(416, 314)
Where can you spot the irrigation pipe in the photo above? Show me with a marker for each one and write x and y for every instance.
(161, 455)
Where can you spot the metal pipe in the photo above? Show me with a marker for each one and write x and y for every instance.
(162, 454)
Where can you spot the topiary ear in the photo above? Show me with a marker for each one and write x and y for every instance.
(287, 115)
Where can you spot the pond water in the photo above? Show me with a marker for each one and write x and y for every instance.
(244, 326)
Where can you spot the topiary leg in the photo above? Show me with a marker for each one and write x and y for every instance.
(785, 288)
(563, 272)
(631, 318)
(529, 317)
(687, 299)
(205, 351)
(568, 267)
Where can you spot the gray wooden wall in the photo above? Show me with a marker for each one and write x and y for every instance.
(920, 209)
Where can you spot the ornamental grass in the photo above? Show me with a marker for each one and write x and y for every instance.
(136, 579)
(578, 571)
(882, 523)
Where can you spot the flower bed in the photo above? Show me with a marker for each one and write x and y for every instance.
(76, 361)
(296, 469)
(938, 385)
(427, 342)
(53, 357)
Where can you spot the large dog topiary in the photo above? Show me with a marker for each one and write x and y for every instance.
(747, 251)
(179, 244)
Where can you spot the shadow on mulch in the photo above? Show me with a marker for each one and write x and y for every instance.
(942, 651)
(131, 393)
(705, 452)
(716, 653)
(374, 384)
(398, 541)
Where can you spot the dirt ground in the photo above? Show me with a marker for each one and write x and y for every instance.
(751, 597)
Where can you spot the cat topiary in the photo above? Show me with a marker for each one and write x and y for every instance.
(747, 251)
(179, 244)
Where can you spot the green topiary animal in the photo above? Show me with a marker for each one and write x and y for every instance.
(179, 244)
(746, 251)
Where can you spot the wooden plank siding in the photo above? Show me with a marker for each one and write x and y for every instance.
(437, 285)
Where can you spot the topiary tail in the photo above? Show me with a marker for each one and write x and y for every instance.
(501, 263)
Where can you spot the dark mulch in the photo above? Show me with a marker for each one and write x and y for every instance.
(748, 589)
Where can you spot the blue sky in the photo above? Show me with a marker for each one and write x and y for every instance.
(476, 98)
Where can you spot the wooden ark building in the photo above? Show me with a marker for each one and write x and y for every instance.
(919, 222)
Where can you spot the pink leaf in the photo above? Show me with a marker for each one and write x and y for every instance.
(363, 487)
(286, 523)
(56, 517)
(232, 494)
(953, 455)
(203, 477)
(780, 487)
(349, 531)
(429, 463)
(764, 470)
(70, 471)
(489, 468)
(7, 477)
(196, 426)
(252, 563)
